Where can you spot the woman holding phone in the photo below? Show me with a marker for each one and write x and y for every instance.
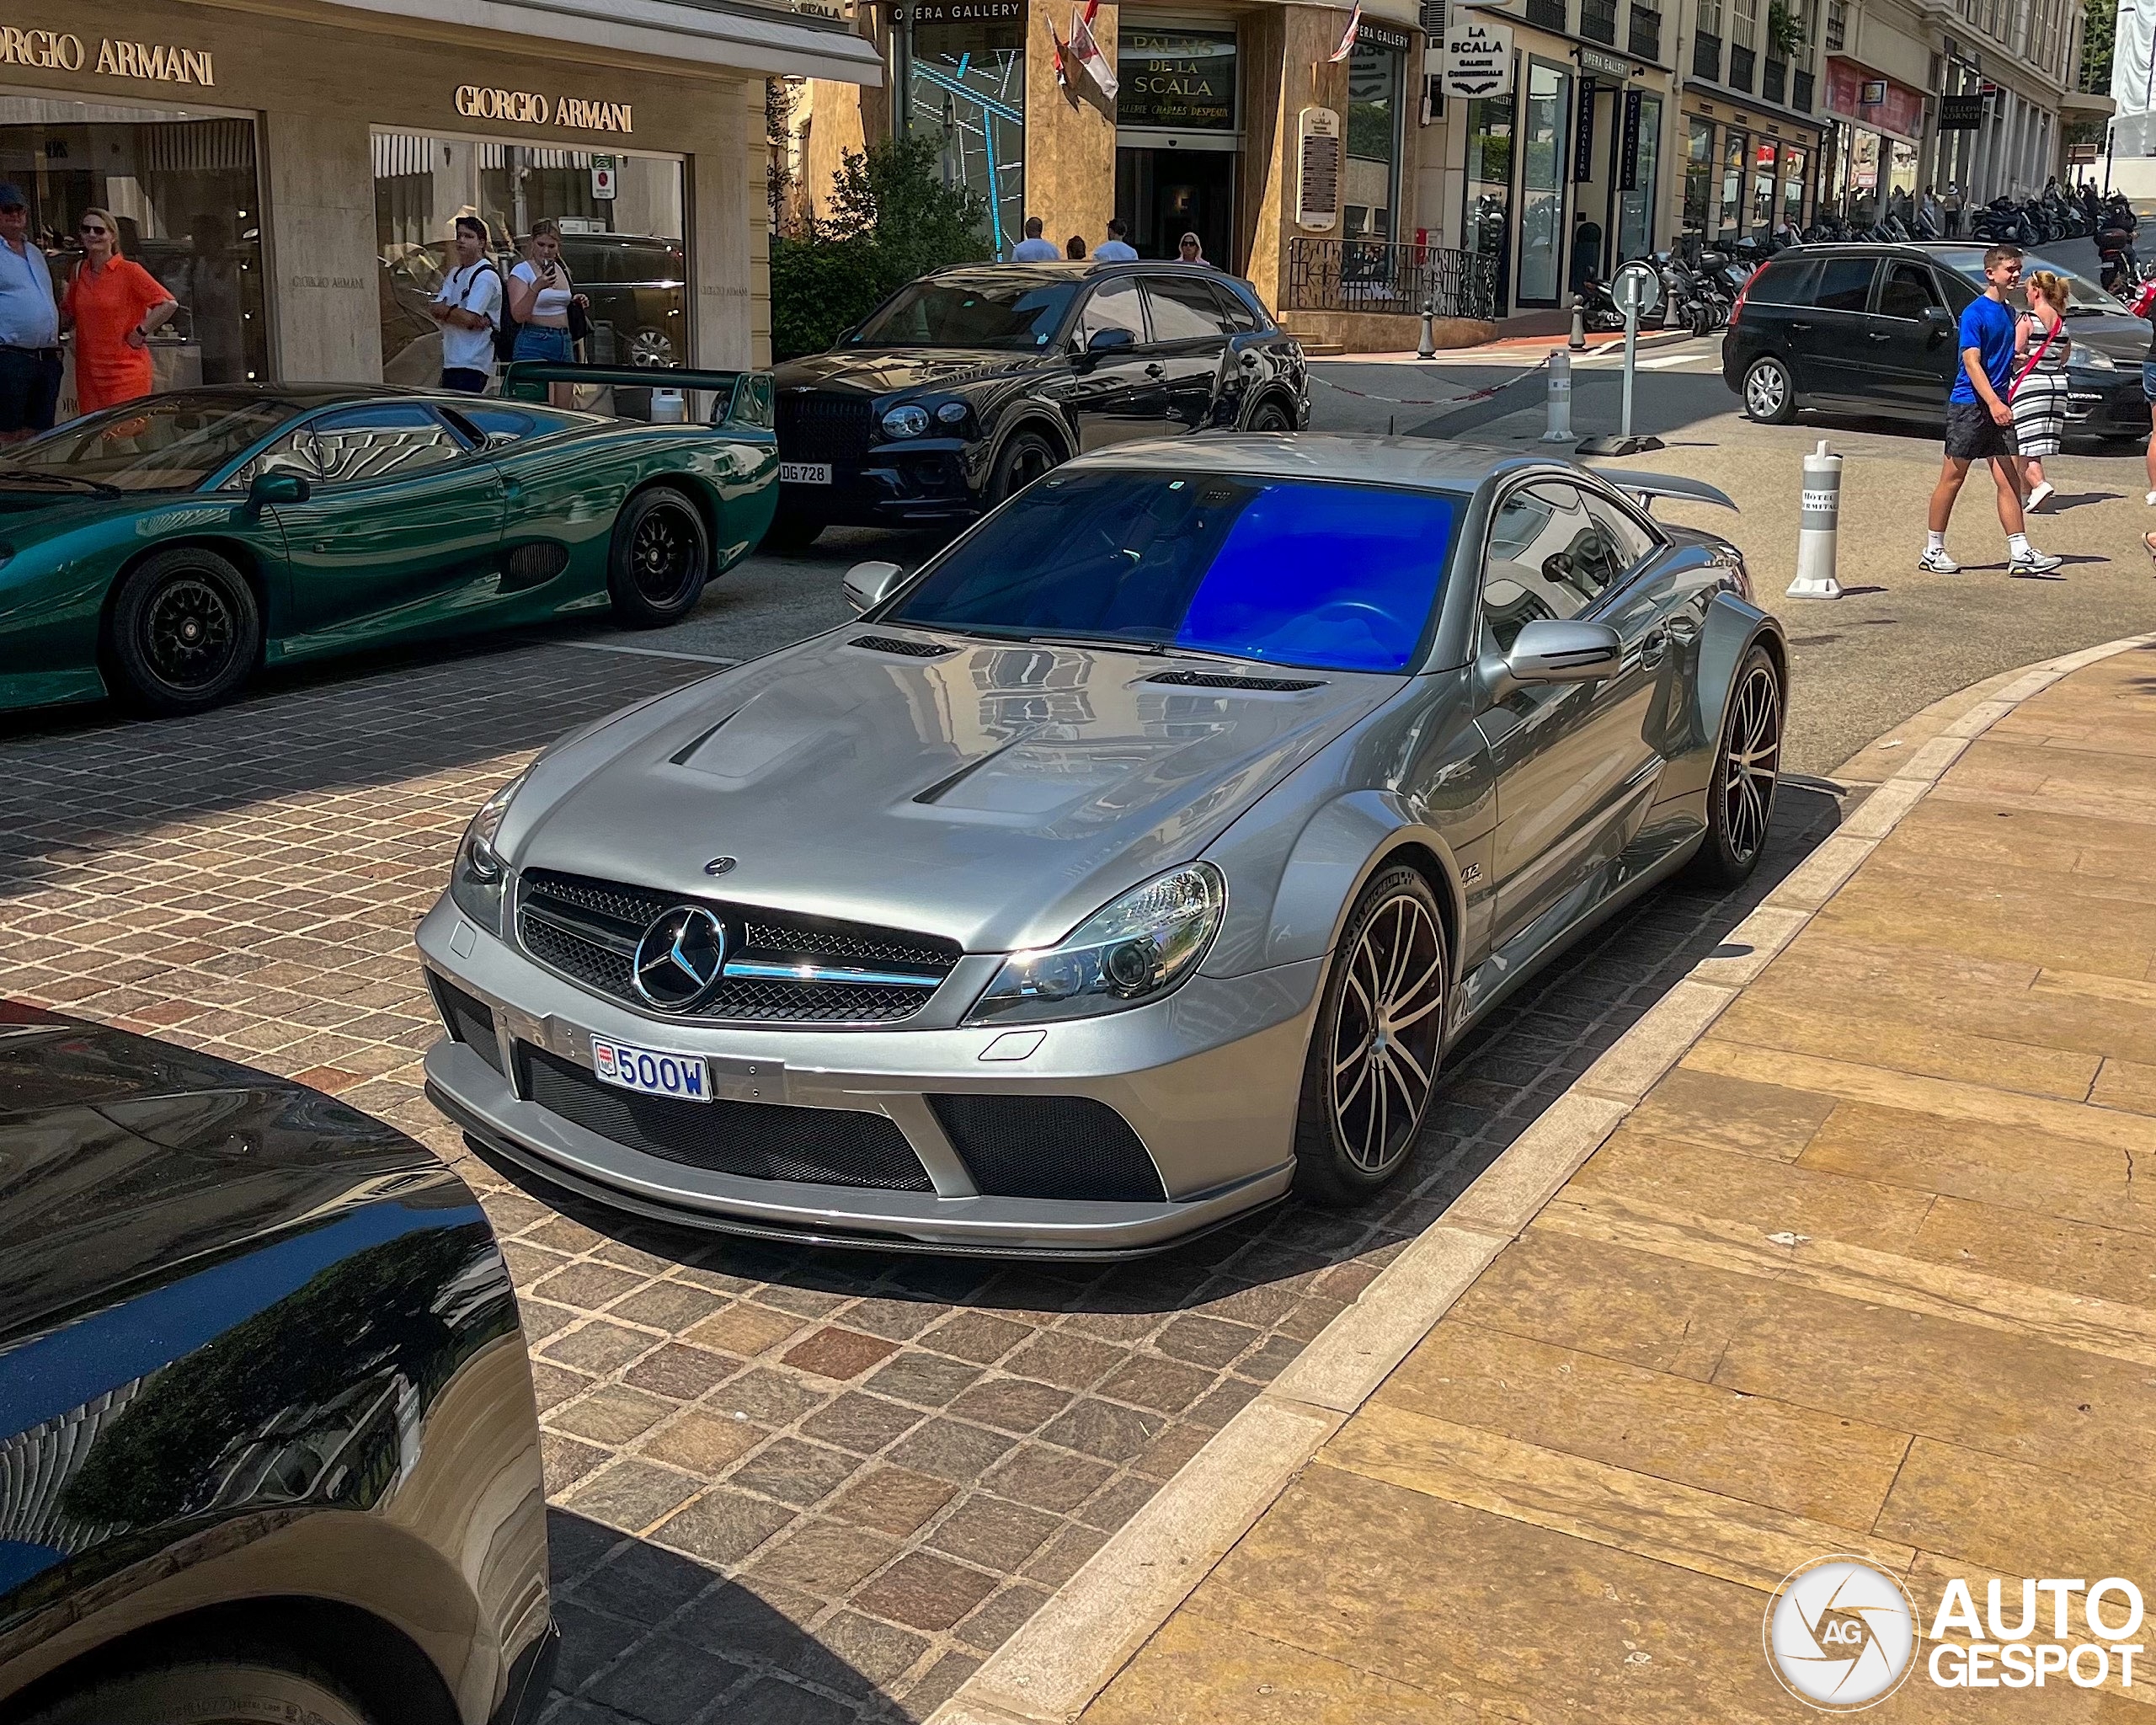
(540, 295)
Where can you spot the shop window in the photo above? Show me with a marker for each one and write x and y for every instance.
(1864, 176)
(1793, 167)
(1375, 79)
(1542, 184)
(1902, 167)
(1699, 174)
(965, 86)
(184, 191)
(625, 250)
(1766, 160)
(1485, 229)
(1635, 208)
(1730, 206)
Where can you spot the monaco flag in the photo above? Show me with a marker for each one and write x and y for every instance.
(1347, 36)
(1087, 51)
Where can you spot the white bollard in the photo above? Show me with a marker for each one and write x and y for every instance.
(1560, 398)
(1818, 527)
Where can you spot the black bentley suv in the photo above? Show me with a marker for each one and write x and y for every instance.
(1869, 328)
(964, 386)
(267, 1443)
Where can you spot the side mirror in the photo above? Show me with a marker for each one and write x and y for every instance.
(1550, 651)
(1104, 341)
(277, 485)
(868, 585)
(1939, 320)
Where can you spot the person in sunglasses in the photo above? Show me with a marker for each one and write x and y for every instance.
(116, 306)
(30, 325)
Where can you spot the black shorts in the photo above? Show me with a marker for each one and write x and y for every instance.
(29, 388)
(1973, 435)
(467, 379)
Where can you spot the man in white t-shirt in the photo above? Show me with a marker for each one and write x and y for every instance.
(467, 308)
(1117, 247)
(1033, 249)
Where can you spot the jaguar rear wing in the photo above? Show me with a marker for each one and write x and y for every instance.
(740, 400)
(1647, 487)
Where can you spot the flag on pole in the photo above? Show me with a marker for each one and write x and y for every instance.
(1088, 51)
(1347, 36)
(1062, 68)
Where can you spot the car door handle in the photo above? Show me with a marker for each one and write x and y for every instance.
(1685, 630)
(1652, 644)
(1801, 328)
(1879, 335)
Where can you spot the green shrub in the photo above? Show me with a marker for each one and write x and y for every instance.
(890, 219)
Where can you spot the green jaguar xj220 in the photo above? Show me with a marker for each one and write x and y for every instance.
(163, 552)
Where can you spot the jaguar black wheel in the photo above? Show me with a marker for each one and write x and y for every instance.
(1747, 771)
(184, 633)
(661, 558)
(1373, 1063)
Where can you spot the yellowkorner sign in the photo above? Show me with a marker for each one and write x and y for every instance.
(159, 62)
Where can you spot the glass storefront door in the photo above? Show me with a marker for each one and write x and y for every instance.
(1699, 175)
(1375, 80)
(183, 189)
(1543, 162)
(1793, 167)
(627, 251)
(1766, 164)
(1176, 140)
(1729, 212)
(1485, 224)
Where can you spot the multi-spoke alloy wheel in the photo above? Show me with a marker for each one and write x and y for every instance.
(1381, 1025)
(184, 631)
(661, 557)
(1747, 768)
(1769, 391)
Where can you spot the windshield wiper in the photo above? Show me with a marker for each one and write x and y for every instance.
(30, 476)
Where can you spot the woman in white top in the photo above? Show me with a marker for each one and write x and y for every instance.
(540, 295)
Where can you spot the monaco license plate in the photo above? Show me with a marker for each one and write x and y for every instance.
(804, 472)
(650, 1071)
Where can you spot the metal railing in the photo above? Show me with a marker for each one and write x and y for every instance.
(1740, 66)
(1706, 57)
(1646, 32)
(1382, 275)
(1598, 21)
(1799, 93)
(1547, 14)
(1777, 81)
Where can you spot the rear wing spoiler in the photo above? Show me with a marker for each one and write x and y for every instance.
(1647, 487)
(740, 399)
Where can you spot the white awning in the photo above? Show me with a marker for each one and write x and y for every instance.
(731, 34)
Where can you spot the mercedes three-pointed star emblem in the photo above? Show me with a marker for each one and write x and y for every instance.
(679, 959)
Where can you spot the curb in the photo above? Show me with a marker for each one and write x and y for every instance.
(1055, 1666)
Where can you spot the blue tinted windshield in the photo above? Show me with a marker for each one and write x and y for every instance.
(1297, 572)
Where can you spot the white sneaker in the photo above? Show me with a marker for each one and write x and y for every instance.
(1938, 563)
(2152, 499)
(2040, 496)
(2037, 562)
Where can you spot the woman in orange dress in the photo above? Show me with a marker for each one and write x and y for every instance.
(114, 304)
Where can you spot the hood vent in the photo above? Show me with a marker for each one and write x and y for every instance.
(905, 650)
(1228, 680)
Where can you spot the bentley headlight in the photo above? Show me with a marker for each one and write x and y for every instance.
(1136, 950)
(480, 877)
(952, 413)
(2092, 361)
(907, 421)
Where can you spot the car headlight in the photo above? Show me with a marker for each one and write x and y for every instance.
(907, 421)
(479, 878)
(952, 413)
(2095, 361)
(1133, 952)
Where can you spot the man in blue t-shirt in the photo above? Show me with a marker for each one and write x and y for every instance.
(1980, 424)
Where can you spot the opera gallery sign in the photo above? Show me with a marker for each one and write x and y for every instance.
(1478, 58)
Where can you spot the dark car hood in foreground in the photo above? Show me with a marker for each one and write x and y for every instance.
(121, 1156)
(877, 371)
(2119, 336)
(997, 795)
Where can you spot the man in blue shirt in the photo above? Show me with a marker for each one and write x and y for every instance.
(1980, 424)
(1033, 249)
(30, 326)
(1116, 248)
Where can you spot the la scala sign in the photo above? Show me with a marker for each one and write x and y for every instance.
(1478, 58)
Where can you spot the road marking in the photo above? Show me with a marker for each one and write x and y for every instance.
(1662, 362)
(648, 652)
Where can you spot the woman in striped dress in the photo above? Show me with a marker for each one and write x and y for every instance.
(2038, 392)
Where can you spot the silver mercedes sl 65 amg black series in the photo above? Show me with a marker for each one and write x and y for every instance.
(1133, 862)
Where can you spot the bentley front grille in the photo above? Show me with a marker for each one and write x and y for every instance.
(823, 427)
(780, 968)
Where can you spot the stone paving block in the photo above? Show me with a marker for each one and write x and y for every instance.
(723, 1526)
(923, 1591)
(701, 1444)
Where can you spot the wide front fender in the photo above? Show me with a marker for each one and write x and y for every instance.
(1335, 853)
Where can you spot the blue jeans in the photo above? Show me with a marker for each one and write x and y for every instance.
(536, 341)
(2149, 378)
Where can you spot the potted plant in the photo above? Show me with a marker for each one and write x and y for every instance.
(1785, 31)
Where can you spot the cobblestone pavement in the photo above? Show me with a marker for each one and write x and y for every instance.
(790, 1486)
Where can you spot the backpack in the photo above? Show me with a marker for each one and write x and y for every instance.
(505, 326)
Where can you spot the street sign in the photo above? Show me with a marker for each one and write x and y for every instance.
(1637, 287)
(602, 179)
(1613, 67)
(1478, 58)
